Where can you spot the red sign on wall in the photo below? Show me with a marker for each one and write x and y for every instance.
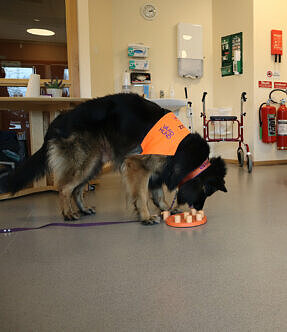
(280, 85)
(276, 42)
(265, 84)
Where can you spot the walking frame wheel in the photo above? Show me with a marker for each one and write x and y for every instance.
(240, 156)
(249, 162)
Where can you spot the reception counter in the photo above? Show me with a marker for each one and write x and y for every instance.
(41, 111)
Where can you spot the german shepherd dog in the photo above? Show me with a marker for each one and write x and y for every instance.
(111, 128)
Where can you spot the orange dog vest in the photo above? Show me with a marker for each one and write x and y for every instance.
(165, 136)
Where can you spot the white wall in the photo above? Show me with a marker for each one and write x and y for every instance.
(160, 35)
(268, 15)
(101, 47)
(229, 17)
(84, 48)
(106, 27)
(95, 47)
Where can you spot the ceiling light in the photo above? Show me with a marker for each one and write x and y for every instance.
(36, 19)
(41, 32)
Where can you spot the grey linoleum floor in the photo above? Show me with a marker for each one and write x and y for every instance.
(228, 275)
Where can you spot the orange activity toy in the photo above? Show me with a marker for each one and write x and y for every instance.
(185, 220)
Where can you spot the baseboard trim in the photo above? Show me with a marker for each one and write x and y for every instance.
(259, 163)
(231, 161)
(27, 191)
(270, 162)
(33, 190)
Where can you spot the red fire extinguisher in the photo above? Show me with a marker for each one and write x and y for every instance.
(282, 126)
(267, 120)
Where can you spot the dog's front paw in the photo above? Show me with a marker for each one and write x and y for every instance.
(152, 220)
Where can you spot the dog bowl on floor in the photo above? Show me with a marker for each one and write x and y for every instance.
(170, 221)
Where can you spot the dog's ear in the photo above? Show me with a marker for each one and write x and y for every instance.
(172, 174)
(219, 166)
(222, 187)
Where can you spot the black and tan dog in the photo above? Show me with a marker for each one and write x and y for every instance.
(78, 143)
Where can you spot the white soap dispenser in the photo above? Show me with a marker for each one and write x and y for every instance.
(171, 91)
(126, 86)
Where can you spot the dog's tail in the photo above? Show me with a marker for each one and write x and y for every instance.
(31, 169)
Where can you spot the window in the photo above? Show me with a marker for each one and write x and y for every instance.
(47, 55)
(19, 73)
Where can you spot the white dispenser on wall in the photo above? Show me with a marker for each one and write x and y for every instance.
(126, 84)
(189, 50)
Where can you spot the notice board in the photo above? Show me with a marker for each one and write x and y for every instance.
(231, 55)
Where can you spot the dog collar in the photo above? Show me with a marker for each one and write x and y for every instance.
(195, 172)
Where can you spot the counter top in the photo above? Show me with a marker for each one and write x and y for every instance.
(47, 104)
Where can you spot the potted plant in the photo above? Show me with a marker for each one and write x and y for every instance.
(54, 87)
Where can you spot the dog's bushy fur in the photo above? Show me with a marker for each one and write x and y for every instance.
(111, 128)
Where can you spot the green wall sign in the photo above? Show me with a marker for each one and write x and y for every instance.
(231, 55)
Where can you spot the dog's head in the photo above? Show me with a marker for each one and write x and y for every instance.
(194, 192)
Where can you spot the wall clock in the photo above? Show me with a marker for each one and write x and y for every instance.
(148, 11)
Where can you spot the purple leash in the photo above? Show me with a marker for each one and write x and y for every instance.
(172, 204)
(62, 224)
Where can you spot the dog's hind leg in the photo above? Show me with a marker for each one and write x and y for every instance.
(78, 197)
(65, 196)
(71, 182)
(74, 162)
(92, 168)
(74, 189)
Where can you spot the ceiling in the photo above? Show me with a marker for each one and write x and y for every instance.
(16, 16)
